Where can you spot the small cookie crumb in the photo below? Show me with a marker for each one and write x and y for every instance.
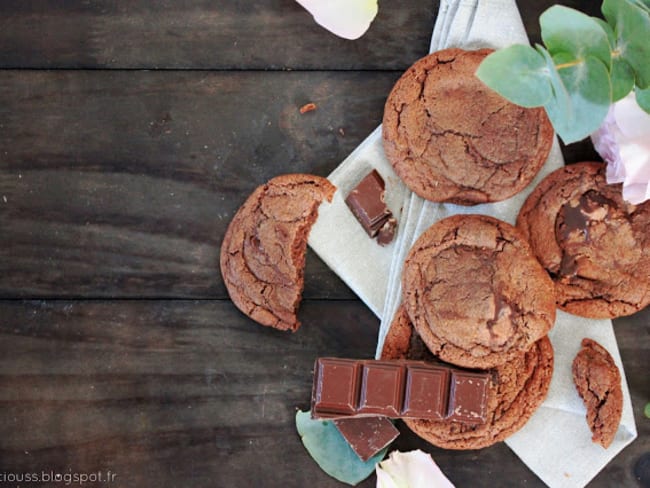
(308, 107)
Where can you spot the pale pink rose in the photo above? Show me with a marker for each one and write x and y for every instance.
(349, 19)
(623, 141)
(414, 469)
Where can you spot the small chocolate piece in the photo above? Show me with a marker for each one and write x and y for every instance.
(468, 397)
(345, 388)
(367, 435)
(366, 201)
(387, 232)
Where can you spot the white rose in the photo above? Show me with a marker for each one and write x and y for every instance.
(413, 469)
(349, 19)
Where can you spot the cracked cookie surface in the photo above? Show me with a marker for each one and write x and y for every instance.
(516, 389)
(475, 293)
(598, 381)
(263, 251)
(452, 139)
(594, 245)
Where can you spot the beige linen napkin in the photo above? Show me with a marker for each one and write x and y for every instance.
(556, 442)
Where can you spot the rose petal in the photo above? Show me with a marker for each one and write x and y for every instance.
(414, 469)
(349, 19)
(384, 480)
(623, 141)
(631, 119)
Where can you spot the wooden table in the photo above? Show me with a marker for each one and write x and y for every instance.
(130, 132)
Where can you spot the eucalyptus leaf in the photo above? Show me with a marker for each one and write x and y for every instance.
(569, 31)
(622, 78)
(611, 37)
(558, 107)
(581, 96)
(631, 22)
(643, 98)
(519, 74)
(331, 452)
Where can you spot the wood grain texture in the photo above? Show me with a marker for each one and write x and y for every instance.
(204, 34)
(192, 393)
(121, 184)
(116, 187)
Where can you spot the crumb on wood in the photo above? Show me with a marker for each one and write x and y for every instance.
(308, 107)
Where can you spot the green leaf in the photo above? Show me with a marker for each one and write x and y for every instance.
(581, 95)
(643, 98)
(558, 108)
(622, 78)
(611, 37)
(330, 450)
(646, 410)
(631, 22)
(565, 30)
(518, 73)
(620, 73)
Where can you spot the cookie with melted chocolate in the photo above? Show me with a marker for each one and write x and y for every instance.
(475, 292)
(593, 244)
(515, 390)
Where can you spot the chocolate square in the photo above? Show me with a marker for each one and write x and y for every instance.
(367, 435)
(382, 387)
(336, 387)
(468, 397)
(427, 390)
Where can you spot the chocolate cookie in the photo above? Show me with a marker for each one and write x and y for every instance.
(263, 251)
(475, 293)
(598, 381)
(594, 245)
(452, 139)
(517, 388)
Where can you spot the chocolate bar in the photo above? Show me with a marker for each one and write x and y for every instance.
(366, 201)
(345, 388)
(367, 435)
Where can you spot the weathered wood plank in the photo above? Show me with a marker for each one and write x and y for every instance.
(121, 184)
(224, 34)
(191, 393)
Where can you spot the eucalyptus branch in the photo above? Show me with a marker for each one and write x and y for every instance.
(584, 66)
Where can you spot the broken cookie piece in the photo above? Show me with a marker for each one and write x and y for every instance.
(366, 201)
(598, 381)
(263, 251)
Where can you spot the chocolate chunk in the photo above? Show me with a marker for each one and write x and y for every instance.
(345, 388)
(366, 201)
(367, 435)
(468, 397)
(387, 232)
